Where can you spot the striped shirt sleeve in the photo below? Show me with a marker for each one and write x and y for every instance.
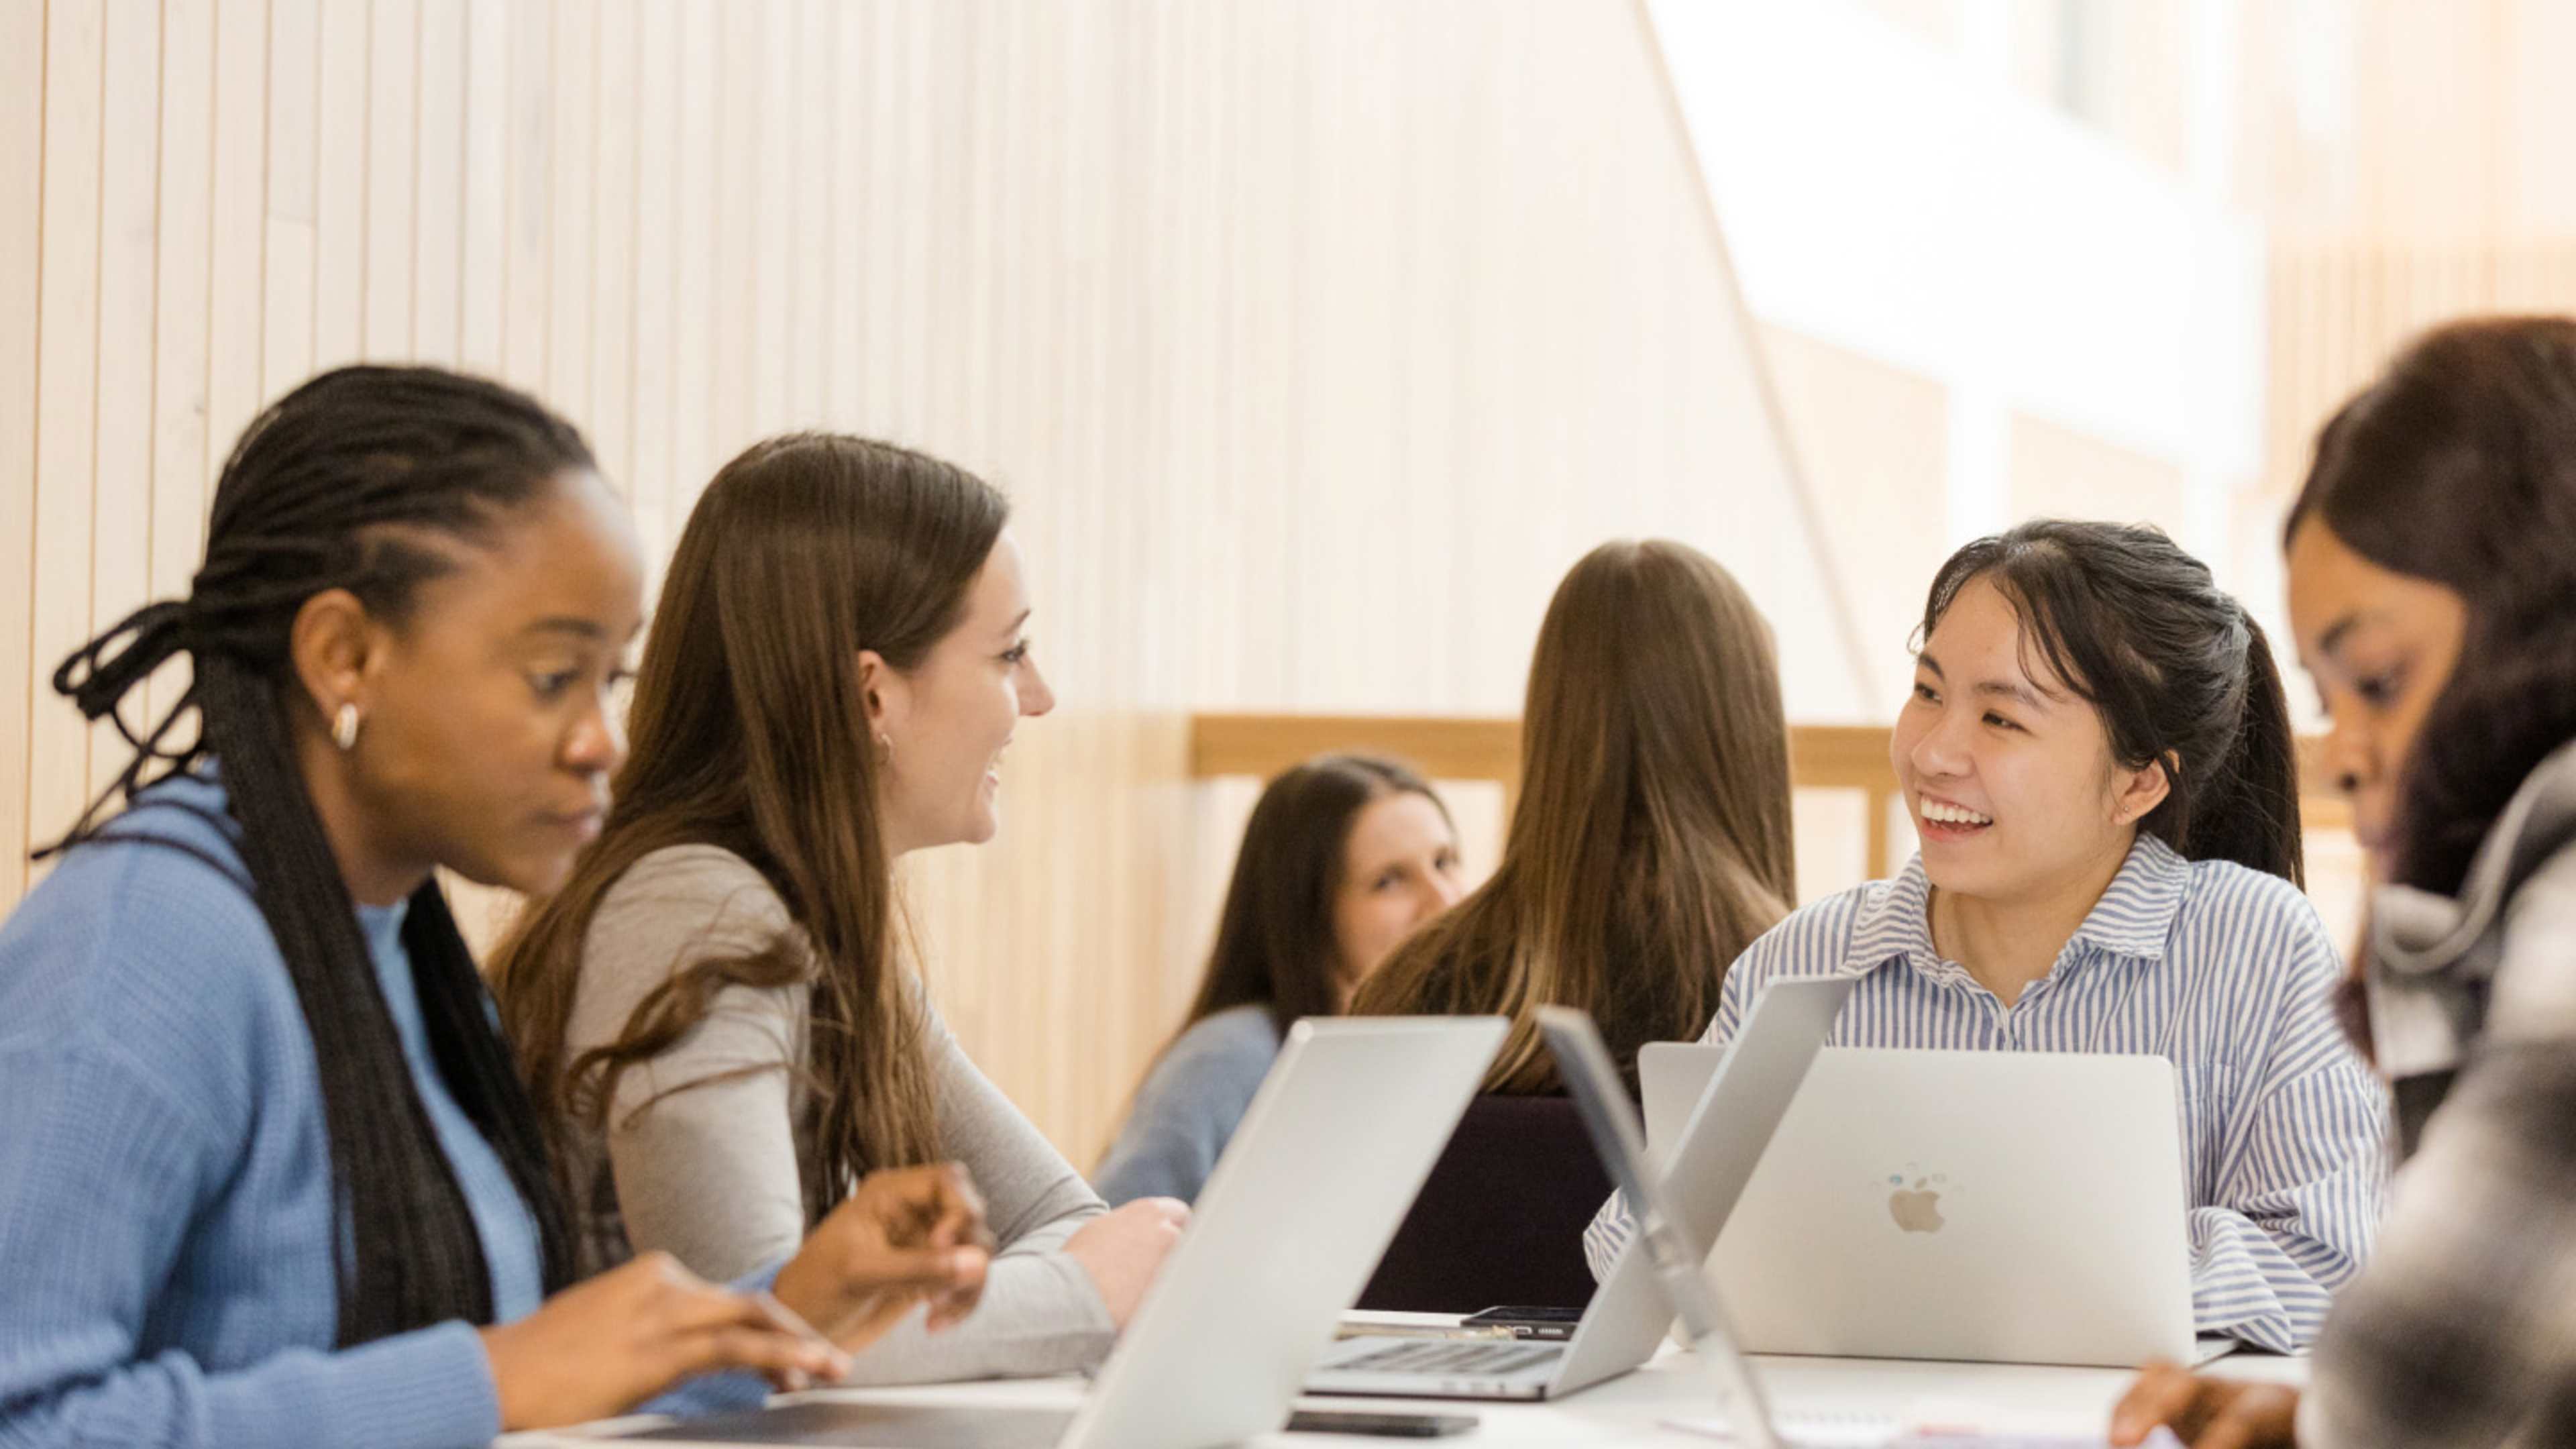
(2304, 1171)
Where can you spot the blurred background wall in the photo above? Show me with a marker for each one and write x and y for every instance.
(1314, 338)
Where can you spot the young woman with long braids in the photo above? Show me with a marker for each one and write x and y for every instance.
(719, 1017)
(272, 1179)
(2098, 760)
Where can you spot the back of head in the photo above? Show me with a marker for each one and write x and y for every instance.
(2458, 465)
(365, 479)
(749, 731)
(1274, 939)
(2173, 666)
(1651, 841)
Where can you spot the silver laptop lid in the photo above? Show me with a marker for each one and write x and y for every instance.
(2048, 1188)
(1327, 1158)
(1704, 1170)
(1611, 1121)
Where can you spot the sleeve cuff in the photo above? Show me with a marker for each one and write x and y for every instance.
(428, 1389)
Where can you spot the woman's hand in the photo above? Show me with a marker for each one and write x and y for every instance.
(1123, 1250)
(2206, 1413)
(906, 1236)
(602, 1347)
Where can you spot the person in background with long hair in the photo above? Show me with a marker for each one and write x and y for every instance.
(1651, 840)
(718, 1016)
(271, 1178)
(2432, 580)
(1650, 844)
(2098, 760)
(1343, 857)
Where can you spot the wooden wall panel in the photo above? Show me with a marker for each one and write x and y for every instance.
(121, 489)
(2341, 306)
(22, 150)
(1894, 473)
(1313, 339)
(67, 325)
(181, 462)
(2058, 472)
(290, 290)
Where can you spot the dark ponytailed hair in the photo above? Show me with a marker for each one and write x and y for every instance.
(2458, 466)
(352, 481)
(2175, 667)
(1275, 946)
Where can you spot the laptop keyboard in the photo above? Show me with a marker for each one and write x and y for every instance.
(1440, 1356)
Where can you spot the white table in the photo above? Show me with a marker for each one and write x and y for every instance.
(1634, 1409)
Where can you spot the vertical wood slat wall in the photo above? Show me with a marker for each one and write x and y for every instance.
(2342, 306)
(1313, 337)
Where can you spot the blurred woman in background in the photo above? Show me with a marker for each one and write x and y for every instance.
(1344, 856)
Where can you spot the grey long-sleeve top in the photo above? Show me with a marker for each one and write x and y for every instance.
(714, 1174)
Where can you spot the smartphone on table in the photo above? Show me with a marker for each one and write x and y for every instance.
(1402, 1426)
(1527, 1320)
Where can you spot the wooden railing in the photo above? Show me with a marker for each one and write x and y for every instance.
(1448, 747)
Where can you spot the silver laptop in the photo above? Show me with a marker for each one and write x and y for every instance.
(1624, 1323)
(2007, 1207)
(1325, 1162)
(1663, 1237)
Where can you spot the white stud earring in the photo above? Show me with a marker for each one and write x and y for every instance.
(344, 728)
(885, 750)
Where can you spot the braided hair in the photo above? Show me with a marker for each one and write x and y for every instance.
(350, 482)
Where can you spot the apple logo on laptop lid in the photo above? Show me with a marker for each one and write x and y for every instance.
(1916, 1209)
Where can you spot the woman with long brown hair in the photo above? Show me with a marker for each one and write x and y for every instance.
(1344, 855)
(1651, 843)
(715, 1012)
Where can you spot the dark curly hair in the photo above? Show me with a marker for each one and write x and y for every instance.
(2458, 465)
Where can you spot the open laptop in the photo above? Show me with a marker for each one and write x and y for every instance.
(2006, 1207)
(1624, 1324)
(1329, 1155)
(1664, 1239)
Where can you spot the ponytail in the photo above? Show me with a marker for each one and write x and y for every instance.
(2247, 808)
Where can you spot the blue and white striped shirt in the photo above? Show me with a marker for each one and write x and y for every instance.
(2224, 971)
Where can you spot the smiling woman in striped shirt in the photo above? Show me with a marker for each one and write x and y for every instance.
(2097, 757)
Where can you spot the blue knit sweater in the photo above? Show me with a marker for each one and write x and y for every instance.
(166, 1224)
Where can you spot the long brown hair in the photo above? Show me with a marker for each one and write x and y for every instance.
(1274, 939)
(1651, 844)
(750, 733)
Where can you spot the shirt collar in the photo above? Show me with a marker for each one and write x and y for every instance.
(2134, 917)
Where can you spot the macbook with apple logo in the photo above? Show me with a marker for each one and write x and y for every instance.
(2011, 1207)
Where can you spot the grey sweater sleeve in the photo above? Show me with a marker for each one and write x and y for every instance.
(1040, 1313)
(700, 1141)
(713, 1173)
(1189, 1107)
